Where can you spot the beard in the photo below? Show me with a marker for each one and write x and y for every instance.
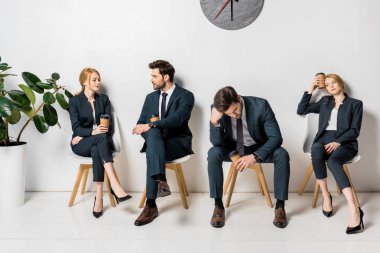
(159, 86)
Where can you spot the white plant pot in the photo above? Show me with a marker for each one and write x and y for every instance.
(12, 176)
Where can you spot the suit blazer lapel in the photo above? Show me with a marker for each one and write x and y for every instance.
(249, 116)
(176, 92)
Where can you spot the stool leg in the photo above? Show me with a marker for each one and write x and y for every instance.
(259, 183)
(76, 185)
(306, 179)
(142, 200)
(84, 181)
(315, 195)
(260, 174)
(181, 187)
(357, 204)
(183, 179)
(107, 181)
(232, 186)
(228, 179)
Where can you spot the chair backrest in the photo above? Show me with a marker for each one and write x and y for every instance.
(312, 121)
(116, 138)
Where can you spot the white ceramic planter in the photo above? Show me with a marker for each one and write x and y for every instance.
(12, 176)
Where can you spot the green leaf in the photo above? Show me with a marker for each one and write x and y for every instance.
(15, 117)
(28, 112)
(62, 101)
(68, 94)
(4, 66)
(3, 131)
(40, 123)
(19, 96)
(5, 75)
(50, 115)
(46, 86)
(49, 98)
(29, 93)
(31, 80)
(55, 76)
(6, 107)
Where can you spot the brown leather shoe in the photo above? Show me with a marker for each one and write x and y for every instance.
(147, 216)
(218, 218)
(163, 189)
(280, 220)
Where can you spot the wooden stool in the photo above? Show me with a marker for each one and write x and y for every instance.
(82, 176)
(317, 188)
(176, 166)
(231, 178)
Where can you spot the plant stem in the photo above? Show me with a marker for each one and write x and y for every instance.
(30, 119)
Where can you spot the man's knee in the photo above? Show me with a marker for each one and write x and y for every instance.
(280, 154)
(215, 154)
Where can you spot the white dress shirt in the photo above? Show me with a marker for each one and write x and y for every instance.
(248, 141)
(169, 92)
(332, 125)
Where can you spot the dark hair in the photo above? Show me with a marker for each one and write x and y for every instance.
(320, 73)
(164, 67)
(224, 98)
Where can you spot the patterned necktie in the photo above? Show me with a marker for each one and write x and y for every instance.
(163, 104)
(239, 137)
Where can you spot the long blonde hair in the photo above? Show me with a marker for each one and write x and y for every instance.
(85, 75)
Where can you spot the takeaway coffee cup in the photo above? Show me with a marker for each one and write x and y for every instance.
(105, 120)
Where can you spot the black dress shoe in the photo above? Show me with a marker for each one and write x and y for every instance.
(359, 228)
(97, 214)
(121, 199)
(147, 215)
(328, 214)
(218, 217)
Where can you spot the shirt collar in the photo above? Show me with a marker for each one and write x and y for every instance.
(170, 91)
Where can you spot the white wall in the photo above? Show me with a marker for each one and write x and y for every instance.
(275, 58)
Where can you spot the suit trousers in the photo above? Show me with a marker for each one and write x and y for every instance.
(158, 151)
(280, 157)
(335, 160)
(100, 148)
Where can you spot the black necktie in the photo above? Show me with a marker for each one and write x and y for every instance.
(239, 137)
(163, 104)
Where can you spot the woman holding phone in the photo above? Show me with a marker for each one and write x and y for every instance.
(93, 139)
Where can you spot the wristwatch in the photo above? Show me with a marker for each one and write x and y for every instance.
(151, 125)
(257, 157)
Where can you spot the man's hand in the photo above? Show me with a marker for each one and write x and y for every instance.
(215, 117)
(140, 129)
(332, 146)
(101, 129)
(244, 162)
(76, 139)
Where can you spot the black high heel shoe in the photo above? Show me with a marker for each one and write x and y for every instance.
(121, 199)
(329, 213)
(96, 214)
(359, 228)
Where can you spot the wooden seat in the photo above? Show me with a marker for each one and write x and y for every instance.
(231, 179)
(85, 164)
(316, 188)
(82, 177)
(176, 166)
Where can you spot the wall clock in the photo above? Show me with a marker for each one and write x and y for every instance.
(231, 14)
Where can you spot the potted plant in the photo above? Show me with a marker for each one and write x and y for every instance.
(14, 104)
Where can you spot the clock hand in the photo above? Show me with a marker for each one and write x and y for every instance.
(232, 10)
(221, 9)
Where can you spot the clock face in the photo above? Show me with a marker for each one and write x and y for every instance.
(231, 14)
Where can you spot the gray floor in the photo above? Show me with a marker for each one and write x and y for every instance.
(46, 224)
